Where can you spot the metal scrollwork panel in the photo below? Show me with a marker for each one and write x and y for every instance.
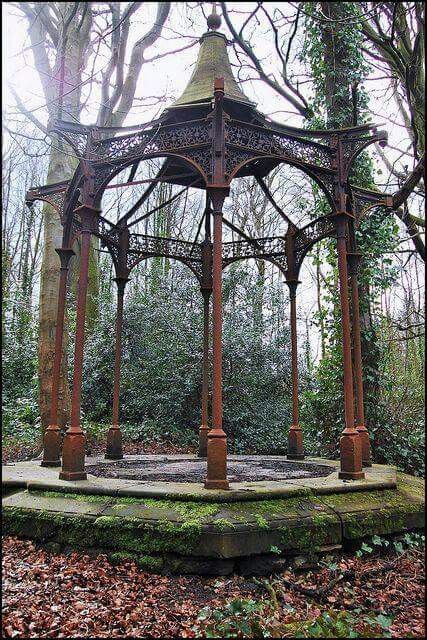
(307, 237)
(141, 246)
(362, 200)
(264, 141)
(154, 140)
(108, 231)
(202, 157)
(234, 157)
(75, 135)
(56, 200)
(259, 248)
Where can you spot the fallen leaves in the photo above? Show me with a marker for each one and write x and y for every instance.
(81, 595)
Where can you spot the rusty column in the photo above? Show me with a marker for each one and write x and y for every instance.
(204, 428)
(295, 448)
(206, 289)
(350, 445)
(353, 264)
(52, 436)
(216, 477)
(114, 450)
(73, 453)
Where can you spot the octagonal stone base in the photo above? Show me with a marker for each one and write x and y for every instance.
(183, 528)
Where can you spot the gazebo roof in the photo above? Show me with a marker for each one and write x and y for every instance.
(212, 62)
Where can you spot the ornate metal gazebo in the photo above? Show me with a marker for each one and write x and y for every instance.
(211, 135)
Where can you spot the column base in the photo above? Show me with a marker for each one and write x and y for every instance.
(50, 463)
(216, 475)
(351, 475)
(351, 456)
(51, 447)
(203, 442)
(114, 444)
(72, 475)
(217, 484)
(295, 448)
(366, 445)
(73, 456)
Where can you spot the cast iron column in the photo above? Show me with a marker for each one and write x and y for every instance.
(73, 452)
(52, 436)
(295, 448)
(353, 263)
(216, 477)
(114, 449)
(350, 445)
(204, 428)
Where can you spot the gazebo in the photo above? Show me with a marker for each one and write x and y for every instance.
(213, 134)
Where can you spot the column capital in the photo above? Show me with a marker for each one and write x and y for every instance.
(293, 285)
(65, 254)
(89, 216)
(121, 282)
(340, 220)
(217, 195)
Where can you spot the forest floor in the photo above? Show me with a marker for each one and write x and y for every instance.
(58, 595)
(377, 592)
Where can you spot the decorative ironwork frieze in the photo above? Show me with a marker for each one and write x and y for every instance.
(155, 140)
(145, 246)
(309, 235)
(269, 142)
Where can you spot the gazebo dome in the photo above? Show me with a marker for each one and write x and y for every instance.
(212, 62)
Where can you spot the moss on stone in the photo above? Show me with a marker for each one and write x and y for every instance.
(80, 497)
(222, 524)
(261, 521)
(380, 512)
(149, 563)
(303, 523)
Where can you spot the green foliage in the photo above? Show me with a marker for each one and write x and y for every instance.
(255, 619)
(399, 544)
(20, 389)
(342, 624)
(161, 369)
(239, 617)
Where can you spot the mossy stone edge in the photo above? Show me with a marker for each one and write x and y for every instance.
(185, 537)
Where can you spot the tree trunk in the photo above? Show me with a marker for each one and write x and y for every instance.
(59, 166)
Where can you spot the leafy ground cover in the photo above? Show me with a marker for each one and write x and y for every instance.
(15, 451)
(376, 593)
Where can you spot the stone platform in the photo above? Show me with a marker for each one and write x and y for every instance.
(180, 527)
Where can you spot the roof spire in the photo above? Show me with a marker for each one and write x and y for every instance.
(214, 20)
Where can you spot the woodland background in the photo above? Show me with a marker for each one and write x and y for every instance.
(308, 64)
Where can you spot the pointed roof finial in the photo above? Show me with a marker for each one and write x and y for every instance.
(214, 20)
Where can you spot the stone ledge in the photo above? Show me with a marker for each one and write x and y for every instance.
(33, 477)
(209, 536)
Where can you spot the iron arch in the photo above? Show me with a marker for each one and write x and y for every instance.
(302, 167)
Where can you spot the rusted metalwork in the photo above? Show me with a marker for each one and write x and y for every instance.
(204, 426)
(216, 475)
(209, 137)
(73, 452)
(52, 436)
(295, 446)
(350, 444)
(114, 449)
(353, 262)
